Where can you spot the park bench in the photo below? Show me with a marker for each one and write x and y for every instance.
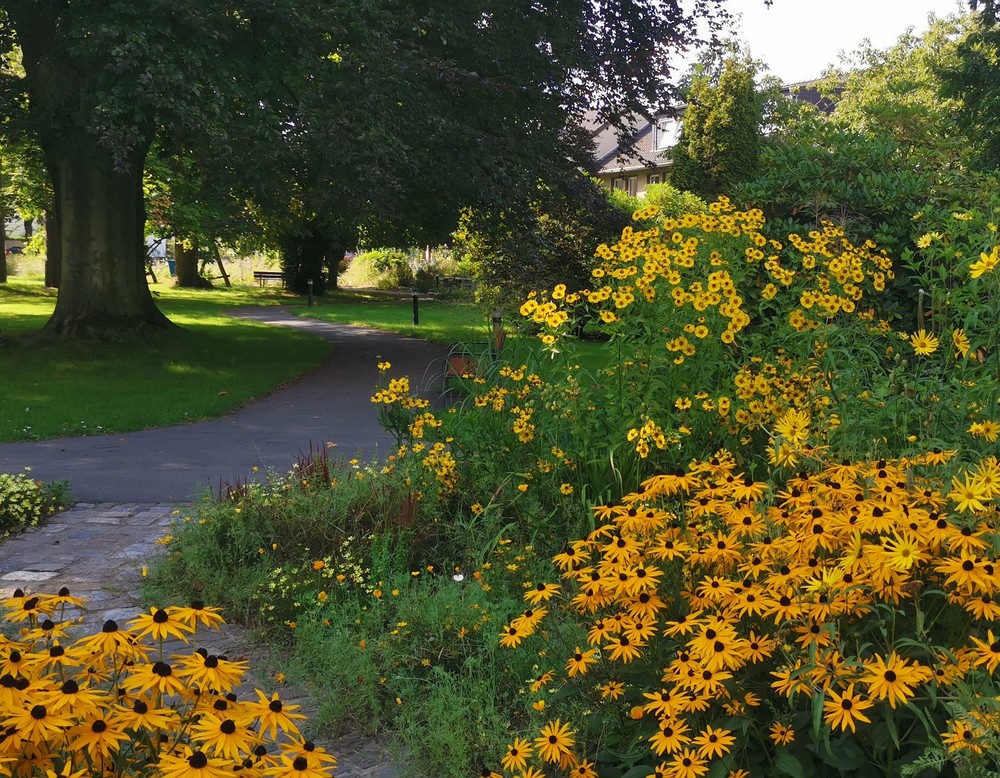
(263, 276)
(474, 358)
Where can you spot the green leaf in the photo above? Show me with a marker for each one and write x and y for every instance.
(788, 764)
(817, 714)
(639, 771)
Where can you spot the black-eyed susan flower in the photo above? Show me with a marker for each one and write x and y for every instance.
(38, 724)
(316, 757)
(555, 741)
(210, 671)
(296, 767)
(193, 764)
(687, 763)
(160, 625)
(893, 679)
(713, 742)
(541, 592)
(580, 661)
(142, 713)
(98, 736)
(73, 698)
(843, 710)
(671, 736)
(511, 636)
(273, 715)
(782, 734)
(963, 736)
(517, 756)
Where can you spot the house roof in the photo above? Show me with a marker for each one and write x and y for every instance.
(609, 158)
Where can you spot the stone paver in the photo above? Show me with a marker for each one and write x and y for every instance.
(97, 551)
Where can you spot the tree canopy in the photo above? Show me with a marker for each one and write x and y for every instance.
(373, 114)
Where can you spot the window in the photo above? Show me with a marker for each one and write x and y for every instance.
(633, 185)
(654, 178)
(618, 183)
(666, 133)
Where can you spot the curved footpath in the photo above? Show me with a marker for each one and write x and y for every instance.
(130, 485)
(332, 404)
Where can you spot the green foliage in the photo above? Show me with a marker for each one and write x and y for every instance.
(720, 139)
(379, 269)
(556, 246)
(24, 502)
(671, 202)
(820, 171)
(970, 77)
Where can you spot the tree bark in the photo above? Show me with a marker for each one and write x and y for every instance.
(101, 217)
(98, 195)
(53, 250)
(186, 267)
(3, 234)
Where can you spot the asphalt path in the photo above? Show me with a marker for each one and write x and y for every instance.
(328, 407)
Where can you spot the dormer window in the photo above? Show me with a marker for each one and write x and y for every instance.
(666, 133)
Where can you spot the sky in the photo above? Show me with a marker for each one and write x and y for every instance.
(799, 38)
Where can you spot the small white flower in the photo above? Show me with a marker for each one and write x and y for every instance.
(458, 577)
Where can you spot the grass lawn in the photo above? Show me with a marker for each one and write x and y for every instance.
(216, 363)
(440, 321)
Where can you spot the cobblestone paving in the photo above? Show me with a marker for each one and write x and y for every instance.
(98, 551)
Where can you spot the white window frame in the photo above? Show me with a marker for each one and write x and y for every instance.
(666, 132)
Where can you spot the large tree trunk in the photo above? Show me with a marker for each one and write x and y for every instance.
(98, 195)
(186, 267)
(53, 250)
(99, 207)
(3, 234)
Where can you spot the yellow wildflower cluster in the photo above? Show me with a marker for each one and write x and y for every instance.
(742, 591)
(768, 390)
(111, 703)
(650, 432)
(398, 393)
(837, 272)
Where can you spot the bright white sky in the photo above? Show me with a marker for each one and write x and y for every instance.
(799, 38)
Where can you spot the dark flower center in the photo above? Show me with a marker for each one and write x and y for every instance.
(227, 727)
(162, 669)
(198, 760)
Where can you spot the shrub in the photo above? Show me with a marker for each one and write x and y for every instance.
(111, 703)
(379, 268)
(24, 502)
